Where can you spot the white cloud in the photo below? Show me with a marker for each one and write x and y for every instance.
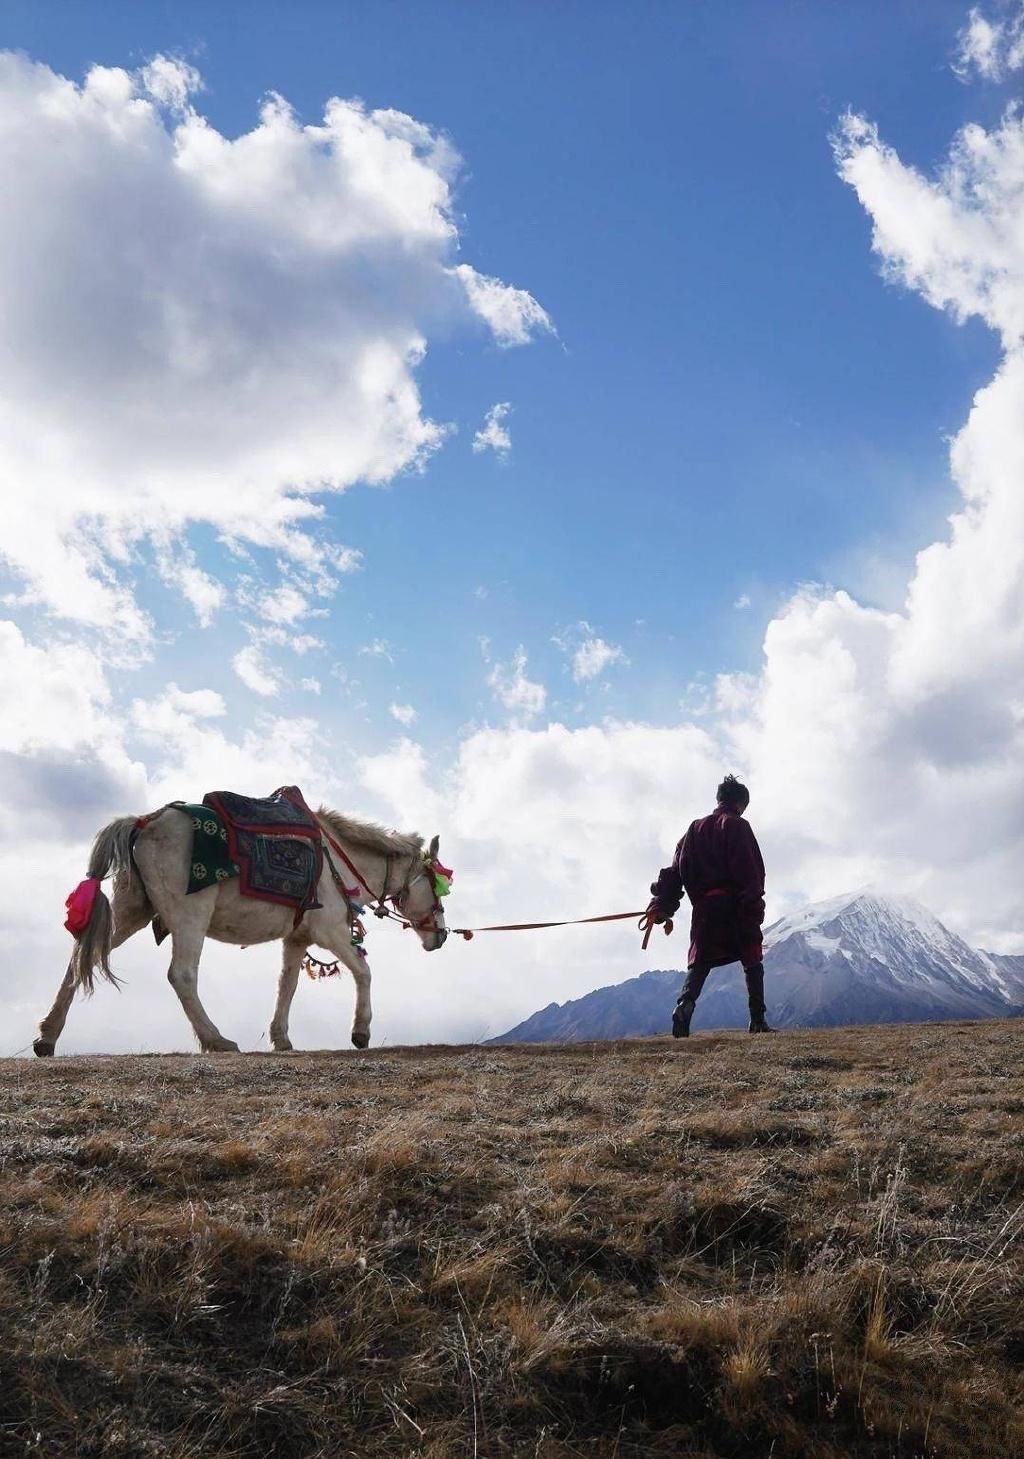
(255, 672)
(299, 643)
(990, 48)
(199, 703)
(312, 686)
(171, 81)
(955, 239)
(743, 601)
(513, 315)
(494, 435)
(378, 648)
(539, 824)
(284, 605)
(209, 330)
(177, 566)
(404, 713)
(590, 654)
(592, 658)
(55, 697)
(514, 690)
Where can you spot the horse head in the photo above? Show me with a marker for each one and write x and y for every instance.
(419, 901)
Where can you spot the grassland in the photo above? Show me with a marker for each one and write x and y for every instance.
(801, 1246)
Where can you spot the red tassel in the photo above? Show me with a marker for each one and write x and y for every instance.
(80, 904)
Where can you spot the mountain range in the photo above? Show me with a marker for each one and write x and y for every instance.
(860, 958)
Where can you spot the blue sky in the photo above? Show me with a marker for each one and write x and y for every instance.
(726, 452)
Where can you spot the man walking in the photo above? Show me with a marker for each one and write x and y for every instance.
(718, 864)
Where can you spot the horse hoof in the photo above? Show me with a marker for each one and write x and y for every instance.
(282, 1046)
(222, 1046)
(42, 1049)
(361, 1040)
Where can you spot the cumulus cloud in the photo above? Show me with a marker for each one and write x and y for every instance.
(538, 823)
(255, 672)
(494, 435)
(284, 605)
(176, 563)
(511, 688)
(954, 238)
(404, 713)
(514, 315)
(199, 703)
(590, 655)
(55, 697)
(988, 48)
(203, 329)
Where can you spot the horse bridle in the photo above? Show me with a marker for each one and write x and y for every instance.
(434, 919)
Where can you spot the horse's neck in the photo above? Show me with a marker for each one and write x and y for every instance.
(383, 875)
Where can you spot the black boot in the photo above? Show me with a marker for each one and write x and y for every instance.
(681, 1018)
(696, 977)
(755, 999)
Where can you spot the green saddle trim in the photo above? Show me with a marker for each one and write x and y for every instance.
(211, 862)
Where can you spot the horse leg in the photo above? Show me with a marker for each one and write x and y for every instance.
(294, 952)
(340, 943)
(183, 975)
(359, 967)
(130, 915)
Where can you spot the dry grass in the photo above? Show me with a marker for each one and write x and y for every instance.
(803, 1246)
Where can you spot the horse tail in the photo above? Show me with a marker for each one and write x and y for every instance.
(111, 851)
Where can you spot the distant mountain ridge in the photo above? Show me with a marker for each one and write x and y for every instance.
(860, 958)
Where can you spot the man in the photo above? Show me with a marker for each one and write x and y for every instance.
(718, 864)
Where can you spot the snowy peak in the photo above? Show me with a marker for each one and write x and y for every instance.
(867, 914)
(896, 936)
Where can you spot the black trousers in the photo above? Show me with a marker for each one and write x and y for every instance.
(697, 976)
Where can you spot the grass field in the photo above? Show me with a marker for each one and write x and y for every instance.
(801, 1246)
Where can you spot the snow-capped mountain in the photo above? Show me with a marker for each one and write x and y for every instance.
(860, 958)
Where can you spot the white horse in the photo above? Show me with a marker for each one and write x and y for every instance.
(151, 870)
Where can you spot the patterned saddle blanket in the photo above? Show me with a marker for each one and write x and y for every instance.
(273, 845)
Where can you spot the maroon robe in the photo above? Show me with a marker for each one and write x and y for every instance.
(718, 864)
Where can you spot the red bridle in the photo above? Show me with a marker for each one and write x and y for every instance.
(428, 922)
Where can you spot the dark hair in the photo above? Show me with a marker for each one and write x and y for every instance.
(732, 793)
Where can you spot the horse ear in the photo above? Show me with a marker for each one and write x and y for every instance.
(434, 846)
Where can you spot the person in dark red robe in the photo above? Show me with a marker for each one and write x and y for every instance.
(718, 865)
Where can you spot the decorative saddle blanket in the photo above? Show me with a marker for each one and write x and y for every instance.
(272, 845)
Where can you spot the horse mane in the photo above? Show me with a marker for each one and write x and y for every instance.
(369, 836)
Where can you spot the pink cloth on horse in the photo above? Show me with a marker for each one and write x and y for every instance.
(80, 904)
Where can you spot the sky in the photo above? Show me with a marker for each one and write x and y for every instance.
(501, 422)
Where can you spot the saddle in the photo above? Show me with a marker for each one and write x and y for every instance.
(276, 843)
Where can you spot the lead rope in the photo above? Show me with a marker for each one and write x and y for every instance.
(646, 924)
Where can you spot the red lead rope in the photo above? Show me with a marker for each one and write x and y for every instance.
(646, 925)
